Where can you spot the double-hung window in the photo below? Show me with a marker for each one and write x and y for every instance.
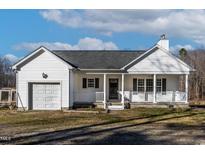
(140, 85)
(149, 85)
(161, 85)
(90, 82)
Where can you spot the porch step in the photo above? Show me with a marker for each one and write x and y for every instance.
(116, 107)
(115, 103)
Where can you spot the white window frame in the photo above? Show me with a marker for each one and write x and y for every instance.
(145, 84)
(93, 82)
(160, 85)
(149, 86)
(141, 86)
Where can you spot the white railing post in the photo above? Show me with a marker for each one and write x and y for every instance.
(173, 96)
(186, 88)
(9, 96)
(123, 99)
(104, 88)
(154, 89)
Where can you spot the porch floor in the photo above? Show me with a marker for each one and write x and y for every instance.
(130, 105)
(145, 104)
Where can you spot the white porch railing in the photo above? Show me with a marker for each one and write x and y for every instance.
(133, 96)
(180, 96)
(141, 96)
(99, 96)
(168, 96)
(171, 96)
(127, 95)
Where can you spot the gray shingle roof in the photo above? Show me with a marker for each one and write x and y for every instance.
(92, 59)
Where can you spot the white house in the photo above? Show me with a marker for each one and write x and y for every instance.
(55, 80)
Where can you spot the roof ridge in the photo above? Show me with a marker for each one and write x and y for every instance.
(99, 50)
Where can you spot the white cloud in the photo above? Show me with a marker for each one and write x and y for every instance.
(12, 58)
(33, 45)
(189, 24)
(176, 48)
(94, 44)
(86, 43)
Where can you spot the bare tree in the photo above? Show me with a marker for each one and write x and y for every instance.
(196, 59)
(7, 77)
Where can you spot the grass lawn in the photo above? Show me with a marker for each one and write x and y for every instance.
(13, 122)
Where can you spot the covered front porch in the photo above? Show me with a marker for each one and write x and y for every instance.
(142, 88)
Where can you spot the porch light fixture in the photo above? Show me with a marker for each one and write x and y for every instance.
(44, 75)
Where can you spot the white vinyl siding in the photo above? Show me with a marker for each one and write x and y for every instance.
(56, 70)
(87, 95)
(159, 62)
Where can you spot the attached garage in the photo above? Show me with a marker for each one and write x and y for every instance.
(45, 96)
(43, 82)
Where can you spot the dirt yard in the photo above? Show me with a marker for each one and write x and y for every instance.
(134, 126)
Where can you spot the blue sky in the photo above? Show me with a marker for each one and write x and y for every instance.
(21, 31)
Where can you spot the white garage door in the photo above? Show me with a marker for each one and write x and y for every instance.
(46, 96)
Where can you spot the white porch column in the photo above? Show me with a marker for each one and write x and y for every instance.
(104, 88)
(186, 87)
(154, 89)
(123, 99)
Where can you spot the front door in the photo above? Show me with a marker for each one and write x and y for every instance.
(113, 88)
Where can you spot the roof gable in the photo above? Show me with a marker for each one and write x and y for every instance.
(159, 61)
(33, 55)
(141, 57)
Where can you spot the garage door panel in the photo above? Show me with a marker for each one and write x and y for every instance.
(51, 106)
(39, 106)
(38, 99)
(46, 96)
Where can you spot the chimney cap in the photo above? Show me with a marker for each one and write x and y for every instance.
(163, 37)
